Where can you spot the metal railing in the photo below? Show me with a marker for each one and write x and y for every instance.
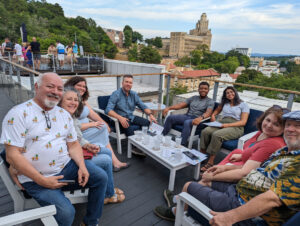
(14, 69)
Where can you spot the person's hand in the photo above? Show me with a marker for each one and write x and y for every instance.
(235, 158)
(97, 124)
(225, 125)
(207, 177)
(52, 182)
(165, 111)
(124, 122)
(216, 169)
(92, 148)
(83, 176)
(220, 219)
(152, 118)
(213, 118)
(197, 121)
(14, 173)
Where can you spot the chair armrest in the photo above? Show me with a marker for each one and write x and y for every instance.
(44, 213)
(244, 138)
(185, 198)
(195, 127)
(103, 113)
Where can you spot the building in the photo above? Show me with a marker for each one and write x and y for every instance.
(192, 79)
(297, 60)
(115, 36)
(244, 51)
(181, 44)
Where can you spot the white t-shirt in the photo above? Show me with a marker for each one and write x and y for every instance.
(235, 111)
(46, 149)
(18, 49)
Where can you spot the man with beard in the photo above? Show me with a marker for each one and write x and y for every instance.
(271, 191)
(41, 144)
(199, 108)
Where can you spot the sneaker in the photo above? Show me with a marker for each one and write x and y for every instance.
(138, 152)
(164, 213)
(168, 195)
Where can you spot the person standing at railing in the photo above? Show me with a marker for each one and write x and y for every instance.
(52, 52)
(29, 56)
(18, 52)
(24, 47)
(35, 48)
(7, 48)
(75, 50)
(60, 53)
(69, 53)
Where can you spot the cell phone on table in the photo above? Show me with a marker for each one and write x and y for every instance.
(190, 155)
(67, 181)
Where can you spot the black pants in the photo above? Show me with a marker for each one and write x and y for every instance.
(135, 124)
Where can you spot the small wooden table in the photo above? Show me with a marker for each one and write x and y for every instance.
(173, 166)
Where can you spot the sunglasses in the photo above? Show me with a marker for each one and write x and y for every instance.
(284, 110)
(47, 117)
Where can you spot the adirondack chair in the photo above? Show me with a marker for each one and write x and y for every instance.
(23, 201)
(45, 214)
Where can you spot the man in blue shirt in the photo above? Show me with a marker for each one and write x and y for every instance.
(121, 105)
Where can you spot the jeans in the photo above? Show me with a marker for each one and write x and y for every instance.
(104, 161)
(134, 124)
(65, 211)
(185, 120)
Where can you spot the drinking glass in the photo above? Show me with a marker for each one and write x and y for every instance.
(177, 155)
(144, 129)
(138, 135)
(178, 142)
(156, 145)
(168, 140)
(146, 139)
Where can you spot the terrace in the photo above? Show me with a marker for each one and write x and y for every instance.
(144, 181)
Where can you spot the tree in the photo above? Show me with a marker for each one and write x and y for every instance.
(128, 36)
(157, 42)
(149, 55)
(133, 53)
(149, 41)
(136, 36)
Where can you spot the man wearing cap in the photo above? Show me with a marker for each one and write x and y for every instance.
(272, 191)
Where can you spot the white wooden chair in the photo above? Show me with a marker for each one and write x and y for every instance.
(45, 214)
(21, 203)
(184, 198)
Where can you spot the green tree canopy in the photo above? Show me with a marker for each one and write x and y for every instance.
(149, 55)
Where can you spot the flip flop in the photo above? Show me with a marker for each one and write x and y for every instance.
(118, 191)
(116, 198)
(205, 167)
(117, 169)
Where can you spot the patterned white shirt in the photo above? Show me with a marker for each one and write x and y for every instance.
(25, 126)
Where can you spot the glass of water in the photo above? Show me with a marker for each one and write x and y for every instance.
(144, 129)
(168, 140)
(178, 142)
(138, 135)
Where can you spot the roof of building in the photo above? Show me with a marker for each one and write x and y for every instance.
(234, 76)
(198, 73)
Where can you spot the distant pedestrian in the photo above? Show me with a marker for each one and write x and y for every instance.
(29, 61)
(69, 53)
(35, 48)
(7, 48)
(75, 49)
(18, 52)
(60, 53)
(52, 54)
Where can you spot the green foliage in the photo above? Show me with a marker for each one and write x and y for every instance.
(136, 36)
(276, 81)
(128, 36)
(182, 61)
(149, 55)
(157, 42)
(47, 22)
(133, 54)
(244, 60)
(176, 90)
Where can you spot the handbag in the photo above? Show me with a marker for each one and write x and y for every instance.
(87, 154)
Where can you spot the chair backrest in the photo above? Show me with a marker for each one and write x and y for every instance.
(251, 123)
(102, 103)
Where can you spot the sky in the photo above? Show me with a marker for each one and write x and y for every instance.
(266, 26)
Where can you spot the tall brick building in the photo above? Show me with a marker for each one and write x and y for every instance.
(115, 36)
(181, 44)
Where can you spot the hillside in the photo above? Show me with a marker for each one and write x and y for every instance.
(48, 23)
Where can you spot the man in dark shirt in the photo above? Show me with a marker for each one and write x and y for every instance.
(35, 48)
(7, 48)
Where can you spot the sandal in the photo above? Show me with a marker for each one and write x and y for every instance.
(116, 198)
(206, 167)
(119, 191)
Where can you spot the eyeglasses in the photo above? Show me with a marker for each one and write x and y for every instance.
(47, 117)
(284, 110)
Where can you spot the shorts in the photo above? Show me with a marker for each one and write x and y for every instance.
(36, 56)
(60, 57)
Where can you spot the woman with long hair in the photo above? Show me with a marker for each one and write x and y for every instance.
(71, 102)
(235, 114)
(95, 131)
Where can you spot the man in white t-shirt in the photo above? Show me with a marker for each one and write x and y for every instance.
(60, 53)
(18, 52)
(41, 144)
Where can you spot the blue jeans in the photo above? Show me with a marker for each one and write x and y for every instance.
(185, 120)
(135, 124)
(65, 211)
(104, 161)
